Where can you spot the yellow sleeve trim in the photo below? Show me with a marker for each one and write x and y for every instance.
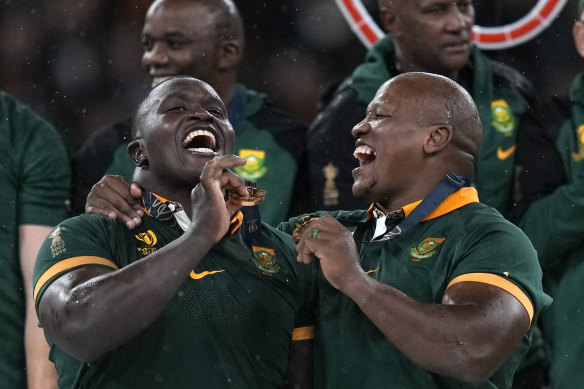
(500, 282)
(303, 333)
(67, 264)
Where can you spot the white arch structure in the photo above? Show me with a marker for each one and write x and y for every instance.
(489, 38)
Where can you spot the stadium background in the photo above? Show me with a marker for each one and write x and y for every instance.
(77, 62)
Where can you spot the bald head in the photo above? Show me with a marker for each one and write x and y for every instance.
(223, 15)
(435, 100)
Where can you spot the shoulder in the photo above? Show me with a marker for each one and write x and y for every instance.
(507, 77)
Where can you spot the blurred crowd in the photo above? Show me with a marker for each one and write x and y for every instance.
(75, 61)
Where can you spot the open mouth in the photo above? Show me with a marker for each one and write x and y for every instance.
(159, 79)
(200, 141)
(364, 154)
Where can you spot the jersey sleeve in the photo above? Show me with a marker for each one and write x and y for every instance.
(503, 256)
(45, 176)
(76, 242)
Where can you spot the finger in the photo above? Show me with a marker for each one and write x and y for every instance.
(105, 197)
(305, 252)
(233, 183)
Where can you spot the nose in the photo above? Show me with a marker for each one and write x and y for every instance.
(458, 19)
(200, 114)
(156, 56)
(361, 128)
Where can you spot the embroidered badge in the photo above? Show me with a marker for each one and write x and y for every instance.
(265, 260)
(502, 117)
(330, 192)
(580, 138)
(254, 168)
(148, 238)
(426, 248)
(57, 243)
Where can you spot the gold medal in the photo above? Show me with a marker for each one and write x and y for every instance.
(255, 196)
(302, 225)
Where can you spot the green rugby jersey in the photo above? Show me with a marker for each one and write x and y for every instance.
(34, 189)
(461, 240)
(555, 225)
(230, 324)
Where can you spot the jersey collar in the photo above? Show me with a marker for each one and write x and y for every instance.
(173, 213)
(454, 201)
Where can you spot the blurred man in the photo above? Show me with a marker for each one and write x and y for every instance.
(190, 296)
(205, 39)
(555, 225)
(428, 288)
(34, 190)
(430, 36)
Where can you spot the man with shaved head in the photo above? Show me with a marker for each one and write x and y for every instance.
(432, 36)
(428, 288)
(191, 297)
(205, 39)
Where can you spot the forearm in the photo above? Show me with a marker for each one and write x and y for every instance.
(451, 340)
(40, 371)
(105, 311)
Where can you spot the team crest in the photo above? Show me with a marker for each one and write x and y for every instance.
(580, 154)
(427, 248)
(265, 260)
(502, 117)
(149, 239)
(57, 243)
(254, 168)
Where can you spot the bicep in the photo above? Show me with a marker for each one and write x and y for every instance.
(497, 314)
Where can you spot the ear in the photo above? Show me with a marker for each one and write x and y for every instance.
(229, 54)
(437, 138)
(390, 21)
(137, 153)
(578, 32)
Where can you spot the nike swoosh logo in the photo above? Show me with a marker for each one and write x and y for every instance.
(504, 154)
(198, 276)
(371, 271)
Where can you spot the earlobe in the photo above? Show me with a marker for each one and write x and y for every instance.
(578, 33)
(230, 54)
(137, 153)
(437, 139)
(389, 21)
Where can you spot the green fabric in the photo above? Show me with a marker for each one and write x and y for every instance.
(277, 171)
(555, 225)
(493, 176)
(352, 353)
(34, 189)
(275, 174)
(227, 329)
(122, 164)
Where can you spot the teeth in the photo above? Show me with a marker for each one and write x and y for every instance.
(363, 150)
(194, 134)
(202, 150)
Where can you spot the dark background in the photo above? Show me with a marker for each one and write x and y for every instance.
(77, 62)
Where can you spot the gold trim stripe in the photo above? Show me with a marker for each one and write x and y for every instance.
(303, 333)
(458, 199)
(500, 282)
(67, 264)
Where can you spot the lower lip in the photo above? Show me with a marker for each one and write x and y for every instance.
(463, 47)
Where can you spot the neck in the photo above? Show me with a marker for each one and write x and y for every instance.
(177, 194)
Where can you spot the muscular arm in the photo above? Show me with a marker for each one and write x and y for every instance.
(467, 336)
(91, 311)
(40, 372)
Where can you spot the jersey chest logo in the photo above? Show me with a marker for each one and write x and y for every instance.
(580, 139)
(149, 240)
(426, 249)
(57, 243)
(254, 169)
(265, 260)
(502, 117)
